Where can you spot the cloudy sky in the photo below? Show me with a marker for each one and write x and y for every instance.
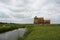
(23, 11)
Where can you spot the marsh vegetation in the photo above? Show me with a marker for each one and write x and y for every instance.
(34, 32)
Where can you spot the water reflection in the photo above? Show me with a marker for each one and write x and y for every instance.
(12, 35)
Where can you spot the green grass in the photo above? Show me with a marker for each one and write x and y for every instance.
(35, 32)
(10, 27)
(43, 32)
(5, 27)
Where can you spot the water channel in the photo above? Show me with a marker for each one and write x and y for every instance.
(13, 35)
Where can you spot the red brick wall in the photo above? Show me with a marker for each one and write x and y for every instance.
(41, 20)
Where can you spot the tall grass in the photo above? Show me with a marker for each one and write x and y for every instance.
(42, 32)
(35, 31)
(28, 31)
(9, 27)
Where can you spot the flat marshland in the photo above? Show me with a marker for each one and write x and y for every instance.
(35, 31)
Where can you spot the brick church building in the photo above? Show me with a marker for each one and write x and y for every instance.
(40, 20)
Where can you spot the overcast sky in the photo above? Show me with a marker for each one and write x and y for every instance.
(23, 11)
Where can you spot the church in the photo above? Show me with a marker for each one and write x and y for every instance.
(40, 20)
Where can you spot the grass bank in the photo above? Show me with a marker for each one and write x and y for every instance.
(10, 27)
(34, 32)
(43, 32)
(5, 27)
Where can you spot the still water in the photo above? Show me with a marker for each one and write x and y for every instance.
(13, 35)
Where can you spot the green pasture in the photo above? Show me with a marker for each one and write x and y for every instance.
(35, 31)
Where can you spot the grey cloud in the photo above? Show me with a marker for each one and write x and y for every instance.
(5, 1)
(20, 16)
(17, 10)
(23, 11)
(57, 1)
(3, 15)
(27, 20)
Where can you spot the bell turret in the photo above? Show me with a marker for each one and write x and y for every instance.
(35, 20)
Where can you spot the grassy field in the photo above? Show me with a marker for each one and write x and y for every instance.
(44, 32)
(5, 27)
(9, 27)
(35, 32)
